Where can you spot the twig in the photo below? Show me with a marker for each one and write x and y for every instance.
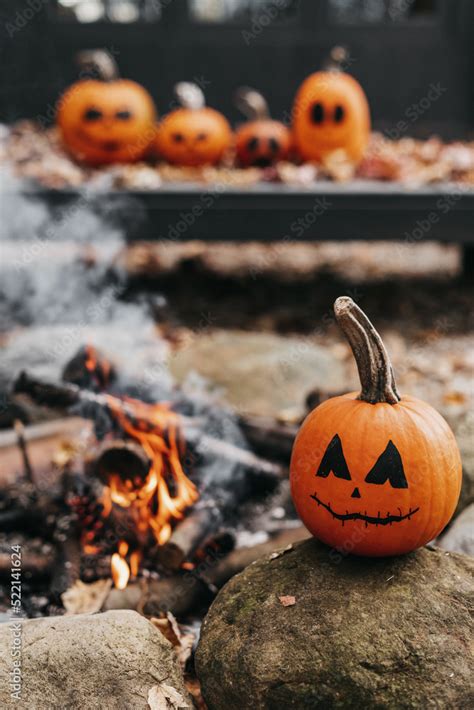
(21, 441)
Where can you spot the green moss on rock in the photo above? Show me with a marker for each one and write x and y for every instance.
(378, 633)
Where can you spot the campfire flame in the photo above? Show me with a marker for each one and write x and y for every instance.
(119, 567)
(154, 503)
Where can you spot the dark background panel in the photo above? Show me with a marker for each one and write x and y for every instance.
(396, 62)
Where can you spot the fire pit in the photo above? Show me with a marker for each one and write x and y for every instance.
(155, 494)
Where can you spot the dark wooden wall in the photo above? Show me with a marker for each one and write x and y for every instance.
(396, 63)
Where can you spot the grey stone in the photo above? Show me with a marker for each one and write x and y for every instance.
(460, 536)
(463, 428)
(260, 373)
(362, 633)
(105, 661)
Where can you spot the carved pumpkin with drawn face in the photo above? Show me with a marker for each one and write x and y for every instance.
(193, 135)
(260, 142)
(374, 473)
(109, 121)
(330, 113)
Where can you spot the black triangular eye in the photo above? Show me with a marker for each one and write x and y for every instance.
(389, 467)
(317, 112)
(333, 460)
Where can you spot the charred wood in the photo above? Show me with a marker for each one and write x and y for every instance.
(125, 458)
(68, 561)
(183, 593)
(188, 535)
(89, 369)
(68, 395)
(33, 565)
(268, 437)
(21, 441)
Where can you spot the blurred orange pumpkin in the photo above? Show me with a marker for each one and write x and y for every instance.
(193, 134)
(260, 141)
(106, 120)
(374, 473)
(331, 112)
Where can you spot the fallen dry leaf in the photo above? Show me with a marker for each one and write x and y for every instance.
(193, 686)
(84, 598)
(165, 697)
(279, 553)
(455, 397)
(182, 643)
(287, 600)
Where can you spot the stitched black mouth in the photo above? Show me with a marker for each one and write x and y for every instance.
(367, 519)
(262, 162)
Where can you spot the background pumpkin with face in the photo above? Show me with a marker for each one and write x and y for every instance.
(107, 120)
(331, 113)
(372, 472)
(259, 142)
(194, 134)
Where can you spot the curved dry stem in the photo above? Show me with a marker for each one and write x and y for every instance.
(98, 62)
(189, 95)
(251, 104)
(373, 363)
(338, 57)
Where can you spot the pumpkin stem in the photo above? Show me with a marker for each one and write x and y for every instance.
(338, 57)
(375, 369)
(189, 95)
(98, 62)
(251, 103)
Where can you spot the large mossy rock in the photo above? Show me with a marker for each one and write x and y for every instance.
(105, 661)
(361, 633)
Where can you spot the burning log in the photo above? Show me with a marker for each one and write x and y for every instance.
(124, 458)
(89, 369)
(67, 395)
(183, 593)
(189, 535)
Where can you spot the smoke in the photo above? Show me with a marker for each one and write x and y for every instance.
(58, 290)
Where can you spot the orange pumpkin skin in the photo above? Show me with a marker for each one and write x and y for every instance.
(330, 112)
(193, 137)
(262, 143)
(374, 473)
(431, 463)
(106, 122)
